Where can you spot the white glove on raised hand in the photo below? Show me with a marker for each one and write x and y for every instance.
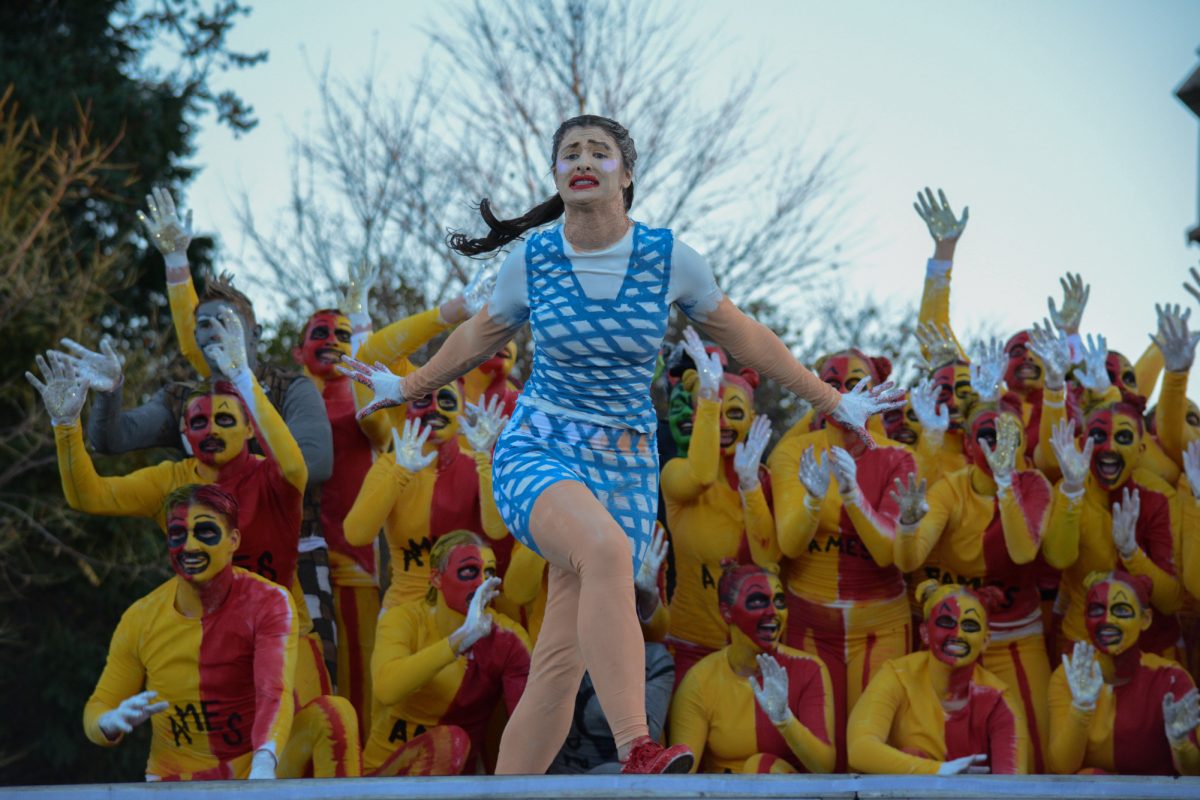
(1181, 717)
(132, 712)
(1124, 522)
(910, 499)
(1193, 289)
(1075, 297)
(859, 404)
(934, 417)
(846, 471)
(1191, 466)
(771, 690)
(408, 447)
(262, 766)
(356, 299)
(1052, 347)
(478, 623)
(1084, 677)
(971, 765)
(1176, 343)
(490, 420)
(169, 234)
(1073, 464)
(479, 289)
(1002, 459)
(1093, 375)
(646, 579)
(228, 353)
(987, 370)
(387, 385)
(814, 475)
(939, 217)
(64, 391)
(938, 345)
(708, 365)
(748, 454)
(101, 370)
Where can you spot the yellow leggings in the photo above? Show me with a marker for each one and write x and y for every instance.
(324, 742)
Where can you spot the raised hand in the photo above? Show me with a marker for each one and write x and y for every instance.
(478, 623)
(846, 471)
(227, 353)
(64, 391)
(1093, 375)
(646, 580)
(934, 417)
(387, 385)
(1002, 459)
(1124, 522)
(489, 422)
(479, 289)
(939, 217)
(408, 447)
(1176, 343)
(170, 234)
(937, 344)
(1084, 677)
(132, 711)
(1181, 717)
(771, 689)
(971, 765)
(987, 370)
(708, 365)
(910, 499)
(1052, 347)
(814, 474)
(362, 277)
(1075, 297)
(1073, 464)
(748, 454)
(101, 370)
(858, 404)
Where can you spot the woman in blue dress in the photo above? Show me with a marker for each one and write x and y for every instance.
(576, 470)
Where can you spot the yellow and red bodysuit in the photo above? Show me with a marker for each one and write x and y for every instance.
(846, 596)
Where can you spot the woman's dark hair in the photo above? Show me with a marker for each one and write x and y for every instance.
(503, 231)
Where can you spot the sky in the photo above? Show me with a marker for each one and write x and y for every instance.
(1055, 121)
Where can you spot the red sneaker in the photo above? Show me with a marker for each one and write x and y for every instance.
(648, 757)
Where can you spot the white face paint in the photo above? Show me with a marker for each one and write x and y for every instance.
(588, 168)
(562, 167)
(610, 164)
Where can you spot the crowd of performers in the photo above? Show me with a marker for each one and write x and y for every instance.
(1000, 576)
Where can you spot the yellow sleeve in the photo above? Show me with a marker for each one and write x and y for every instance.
(523, 580)
(184, 303)
(684, 479)
(381, 488)
(1067, 743)
(689, 718)
(275, 438)
(493, 523)
(818, 756)
(1021, 542)
(138, 494)
(1061, 545)
(396, 670)
(760, 527)
(124, 676)
(935, 298)
(1170, 415)
(1147, 369)
(795, 522)
(870, 725)
(1165, 590)
(913, 547)
(274, 706)
(1054, 410)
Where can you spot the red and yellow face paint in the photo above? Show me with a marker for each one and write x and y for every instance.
(760, 610)
(955, 628)
(326, 340)
(737, 412)
(216, 428)
(440, 411)
(1117, 433)
(501, 364)
(1024, 372)
(1115, 615)
(954, 390)
(200, 542)
(467, 567)
(844, 371)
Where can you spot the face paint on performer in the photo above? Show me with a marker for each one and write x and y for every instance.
(588, 169)
(1114, 615)
(901, 424)
(440, 411)
(467, 567)
(326, 340)
(954, 390)
(680, 415)
(206, 333)
(956, 630)
(1121, 375)
(200, 542)
(216, 428)
(1118, 445)
(501, 364)
(760, 611)
(1192, 420)
(844, 371)
(1024, 372)
(737, 412)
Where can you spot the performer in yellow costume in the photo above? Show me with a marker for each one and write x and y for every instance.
(1113, 707)
(783, 722)
(208, 658)
(939, 712)
(716, 501)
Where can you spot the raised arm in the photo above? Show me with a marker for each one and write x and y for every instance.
(756, 513)
(800, 480)
(945, 230)
(386, 481)
(684, 479)
(1178, 347)
(482, 435)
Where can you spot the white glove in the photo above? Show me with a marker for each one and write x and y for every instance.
(771, 690)
(1054, 350)
(1176, 343)
(934, 417)
(938, 344)
(708, 365)
(1124, 522)
(408, 447)
(170, 234)
(387, 385)
(858, 404)
(1093, 375)
(356, 299)
(911, 500)
(101, 370)
(478, 623)
(987, 370)
(748, 454)
(1075, 297)
(1073, 464)
(939, 217)
(132, 712)
(262, 766)
(1084, 677)
(228, 353)
(846, 471)
(1002, 459)
(479, 289)
(814, 475)
(646, 579)
(1181, 717)
(489, 422)
(971, 765)
(64, 391)
(1191, 466)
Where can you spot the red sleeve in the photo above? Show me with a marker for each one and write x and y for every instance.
(1004, 749)
(889, 464)
(1154, 529)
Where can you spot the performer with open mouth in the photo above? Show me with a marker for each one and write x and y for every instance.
(576, 468)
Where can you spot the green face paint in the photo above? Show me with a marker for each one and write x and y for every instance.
(679, 417)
